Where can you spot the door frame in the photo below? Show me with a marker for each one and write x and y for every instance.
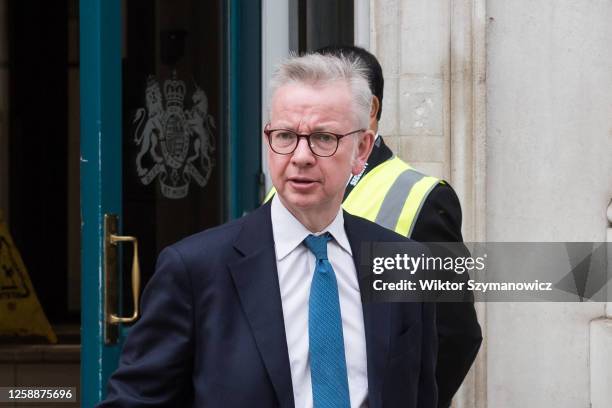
(100, 163)
(101, 181)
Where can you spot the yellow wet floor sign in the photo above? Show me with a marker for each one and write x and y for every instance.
(20, 310)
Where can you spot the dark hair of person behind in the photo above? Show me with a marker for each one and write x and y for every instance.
(375, 75)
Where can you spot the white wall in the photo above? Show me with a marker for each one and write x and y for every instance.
(545, 150)
(549, 178)
(549, 82)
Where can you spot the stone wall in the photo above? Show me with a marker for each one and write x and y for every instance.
(521, 125)
(410, 38)
(549, 178)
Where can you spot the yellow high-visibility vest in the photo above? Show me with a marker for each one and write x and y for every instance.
(391, 195)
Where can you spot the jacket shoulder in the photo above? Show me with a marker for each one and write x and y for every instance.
(218, 237)
(220, 242)
(439, 219)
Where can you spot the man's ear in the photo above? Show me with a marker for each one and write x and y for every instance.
(362, 151)
(374, 112)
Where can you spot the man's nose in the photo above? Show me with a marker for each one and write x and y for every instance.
(302, 154)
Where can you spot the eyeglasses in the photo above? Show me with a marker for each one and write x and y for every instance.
(322, 144)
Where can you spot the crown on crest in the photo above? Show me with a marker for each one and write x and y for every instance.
(174, 89)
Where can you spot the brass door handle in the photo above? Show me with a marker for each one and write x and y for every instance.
(114, 239)
(111, 277)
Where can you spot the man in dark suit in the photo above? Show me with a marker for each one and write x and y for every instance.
(437, 220)
(266, 311)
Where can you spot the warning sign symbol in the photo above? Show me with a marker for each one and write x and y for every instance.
(12, 283)
(20, 310)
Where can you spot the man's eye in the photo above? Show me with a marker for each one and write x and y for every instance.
(324, 137)
(285, 135)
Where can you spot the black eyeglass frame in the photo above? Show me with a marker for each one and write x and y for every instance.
(268, 131)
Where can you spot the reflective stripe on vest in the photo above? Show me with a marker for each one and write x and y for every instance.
(270, 195)
(392, 195)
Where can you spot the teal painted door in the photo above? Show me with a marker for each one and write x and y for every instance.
(170, 141)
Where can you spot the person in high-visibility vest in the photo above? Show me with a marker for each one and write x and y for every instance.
(396, 196)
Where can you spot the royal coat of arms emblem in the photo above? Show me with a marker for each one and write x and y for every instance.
(178, 141)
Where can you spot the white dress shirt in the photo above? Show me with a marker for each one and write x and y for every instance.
(296, 264)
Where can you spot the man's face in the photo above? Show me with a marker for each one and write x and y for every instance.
(306, 182)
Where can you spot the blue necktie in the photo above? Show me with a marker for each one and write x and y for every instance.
(327, 360)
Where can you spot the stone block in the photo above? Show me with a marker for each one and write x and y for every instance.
(393, 142)
(430, 169)
(424, 37)
(421, 105)
(423, 149)
(388, 124)
(386, 25)
(600, 357)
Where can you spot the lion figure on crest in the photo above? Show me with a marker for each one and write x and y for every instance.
(148, 138)
(201, 124)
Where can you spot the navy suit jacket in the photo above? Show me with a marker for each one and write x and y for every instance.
(212, 332)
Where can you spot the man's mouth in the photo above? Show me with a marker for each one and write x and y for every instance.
(302, 182)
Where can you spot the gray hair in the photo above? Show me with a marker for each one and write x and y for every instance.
(316, 69)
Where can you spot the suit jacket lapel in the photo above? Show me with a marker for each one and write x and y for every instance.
(256, 281)
(376, 316)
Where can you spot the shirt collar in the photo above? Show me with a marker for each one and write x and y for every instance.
(289, 232)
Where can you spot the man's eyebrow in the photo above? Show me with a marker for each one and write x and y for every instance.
(281, 125)
(324, 128)
(327, 127)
